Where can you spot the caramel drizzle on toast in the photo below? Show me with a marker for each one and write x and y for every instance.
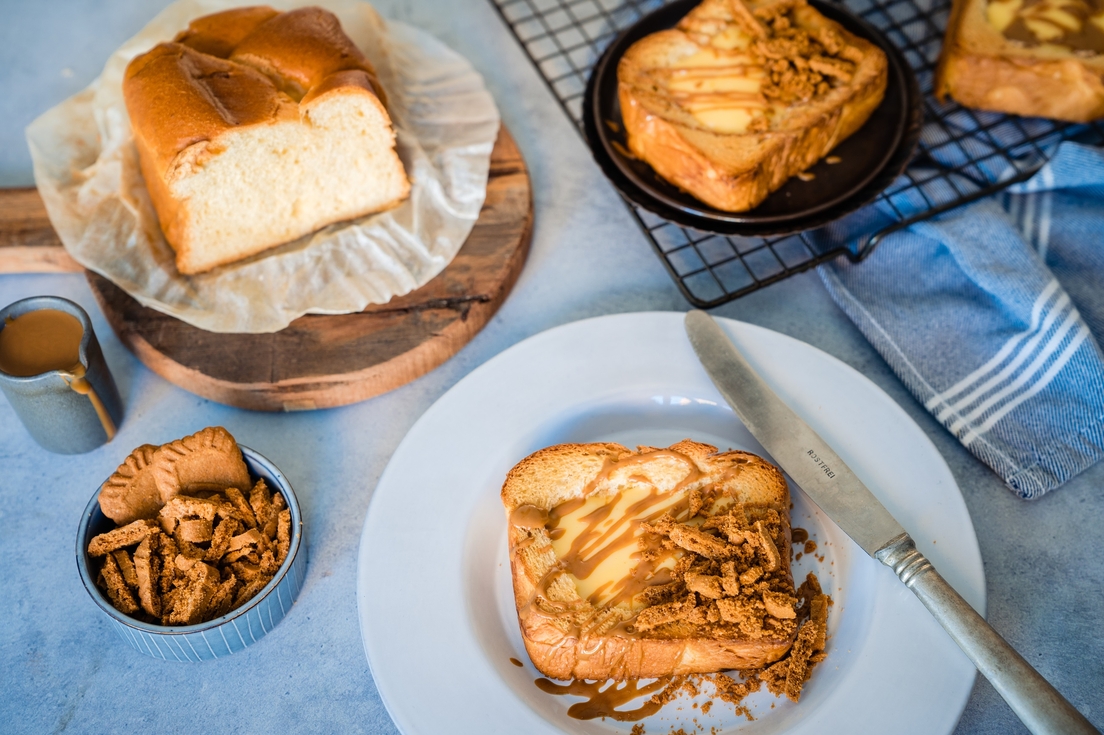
(592, 546)
(757, 59)
(1076, 25)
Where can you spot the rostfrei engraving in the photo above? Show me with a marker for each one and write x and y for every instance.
(824, 467)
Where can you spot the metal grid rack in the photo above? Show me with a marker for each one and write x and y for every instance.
(963, 154)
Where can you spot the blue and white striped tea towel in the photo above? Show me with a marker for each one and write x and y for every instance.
(993, 316)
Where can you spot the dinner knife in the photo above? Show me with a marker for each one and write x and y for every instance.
(831, 484)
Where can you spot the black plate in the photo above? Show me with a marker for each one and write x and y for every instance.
(870, 159)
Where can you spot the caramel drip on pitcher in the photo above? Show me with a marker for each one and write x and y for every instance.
(46, 340)
(79, 384)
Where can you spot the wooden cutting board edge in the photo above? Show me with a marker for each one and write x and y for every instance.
(323, 391)
(28, 244)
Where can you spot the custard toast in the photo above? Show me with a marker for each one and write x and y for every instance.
(651, 563)
(741, 96)
(1040, 58)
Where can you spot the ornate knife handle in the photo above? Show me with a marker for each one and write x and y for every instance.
(1031, 697)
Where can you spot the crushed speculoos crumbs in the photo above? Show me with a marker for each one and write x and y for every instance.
(800, 64)
(202, 557)
(722, 587)
(785, 677)
(729, 581)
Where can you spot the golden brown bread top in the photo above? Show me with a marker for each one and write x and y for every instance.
(343, 80)
(555, 474)
(299, 49)
(219, 33)
(177, 97)
(241, 67)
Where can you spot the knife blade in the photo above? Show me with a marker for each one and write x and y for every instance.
(843, 497)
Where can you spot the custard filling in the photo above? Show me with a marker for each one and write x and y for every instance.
(1067, 25)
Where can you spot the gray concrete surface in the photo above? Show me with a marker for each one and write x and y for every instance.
(61, 668)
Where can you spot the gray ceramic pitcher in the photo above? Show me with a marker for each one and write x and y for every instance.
(58, 417)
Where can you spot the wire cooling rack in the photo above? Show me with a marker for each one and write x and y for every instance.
(963, 154)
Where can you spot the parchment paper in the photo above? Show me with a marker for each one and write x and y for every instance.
(86, 168)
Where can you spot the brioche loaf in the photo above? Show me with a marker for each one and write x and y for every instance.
(256, 127)
(1040, 58)
(650, 563)
(741, 96)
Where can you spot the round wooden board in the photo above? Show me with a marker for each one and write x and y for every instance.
(321, 361)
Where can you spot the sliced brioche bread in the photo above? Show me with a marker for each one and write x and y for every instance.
(1040, 58)
(741, 96)
(650, 563)
(256, 127)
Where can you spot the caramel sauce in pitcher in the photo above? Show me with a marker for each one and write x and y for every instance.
(46, 340)
(40, 341)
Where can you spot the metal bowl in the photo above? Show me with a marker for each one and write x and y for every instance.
(219, 637)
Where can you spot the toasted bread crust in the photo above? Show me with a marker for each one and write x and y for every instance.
(736, 171)
(560, 473)
(981, 68)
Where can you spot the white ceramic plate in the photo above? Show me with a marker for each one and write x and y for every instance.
(433, 588)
